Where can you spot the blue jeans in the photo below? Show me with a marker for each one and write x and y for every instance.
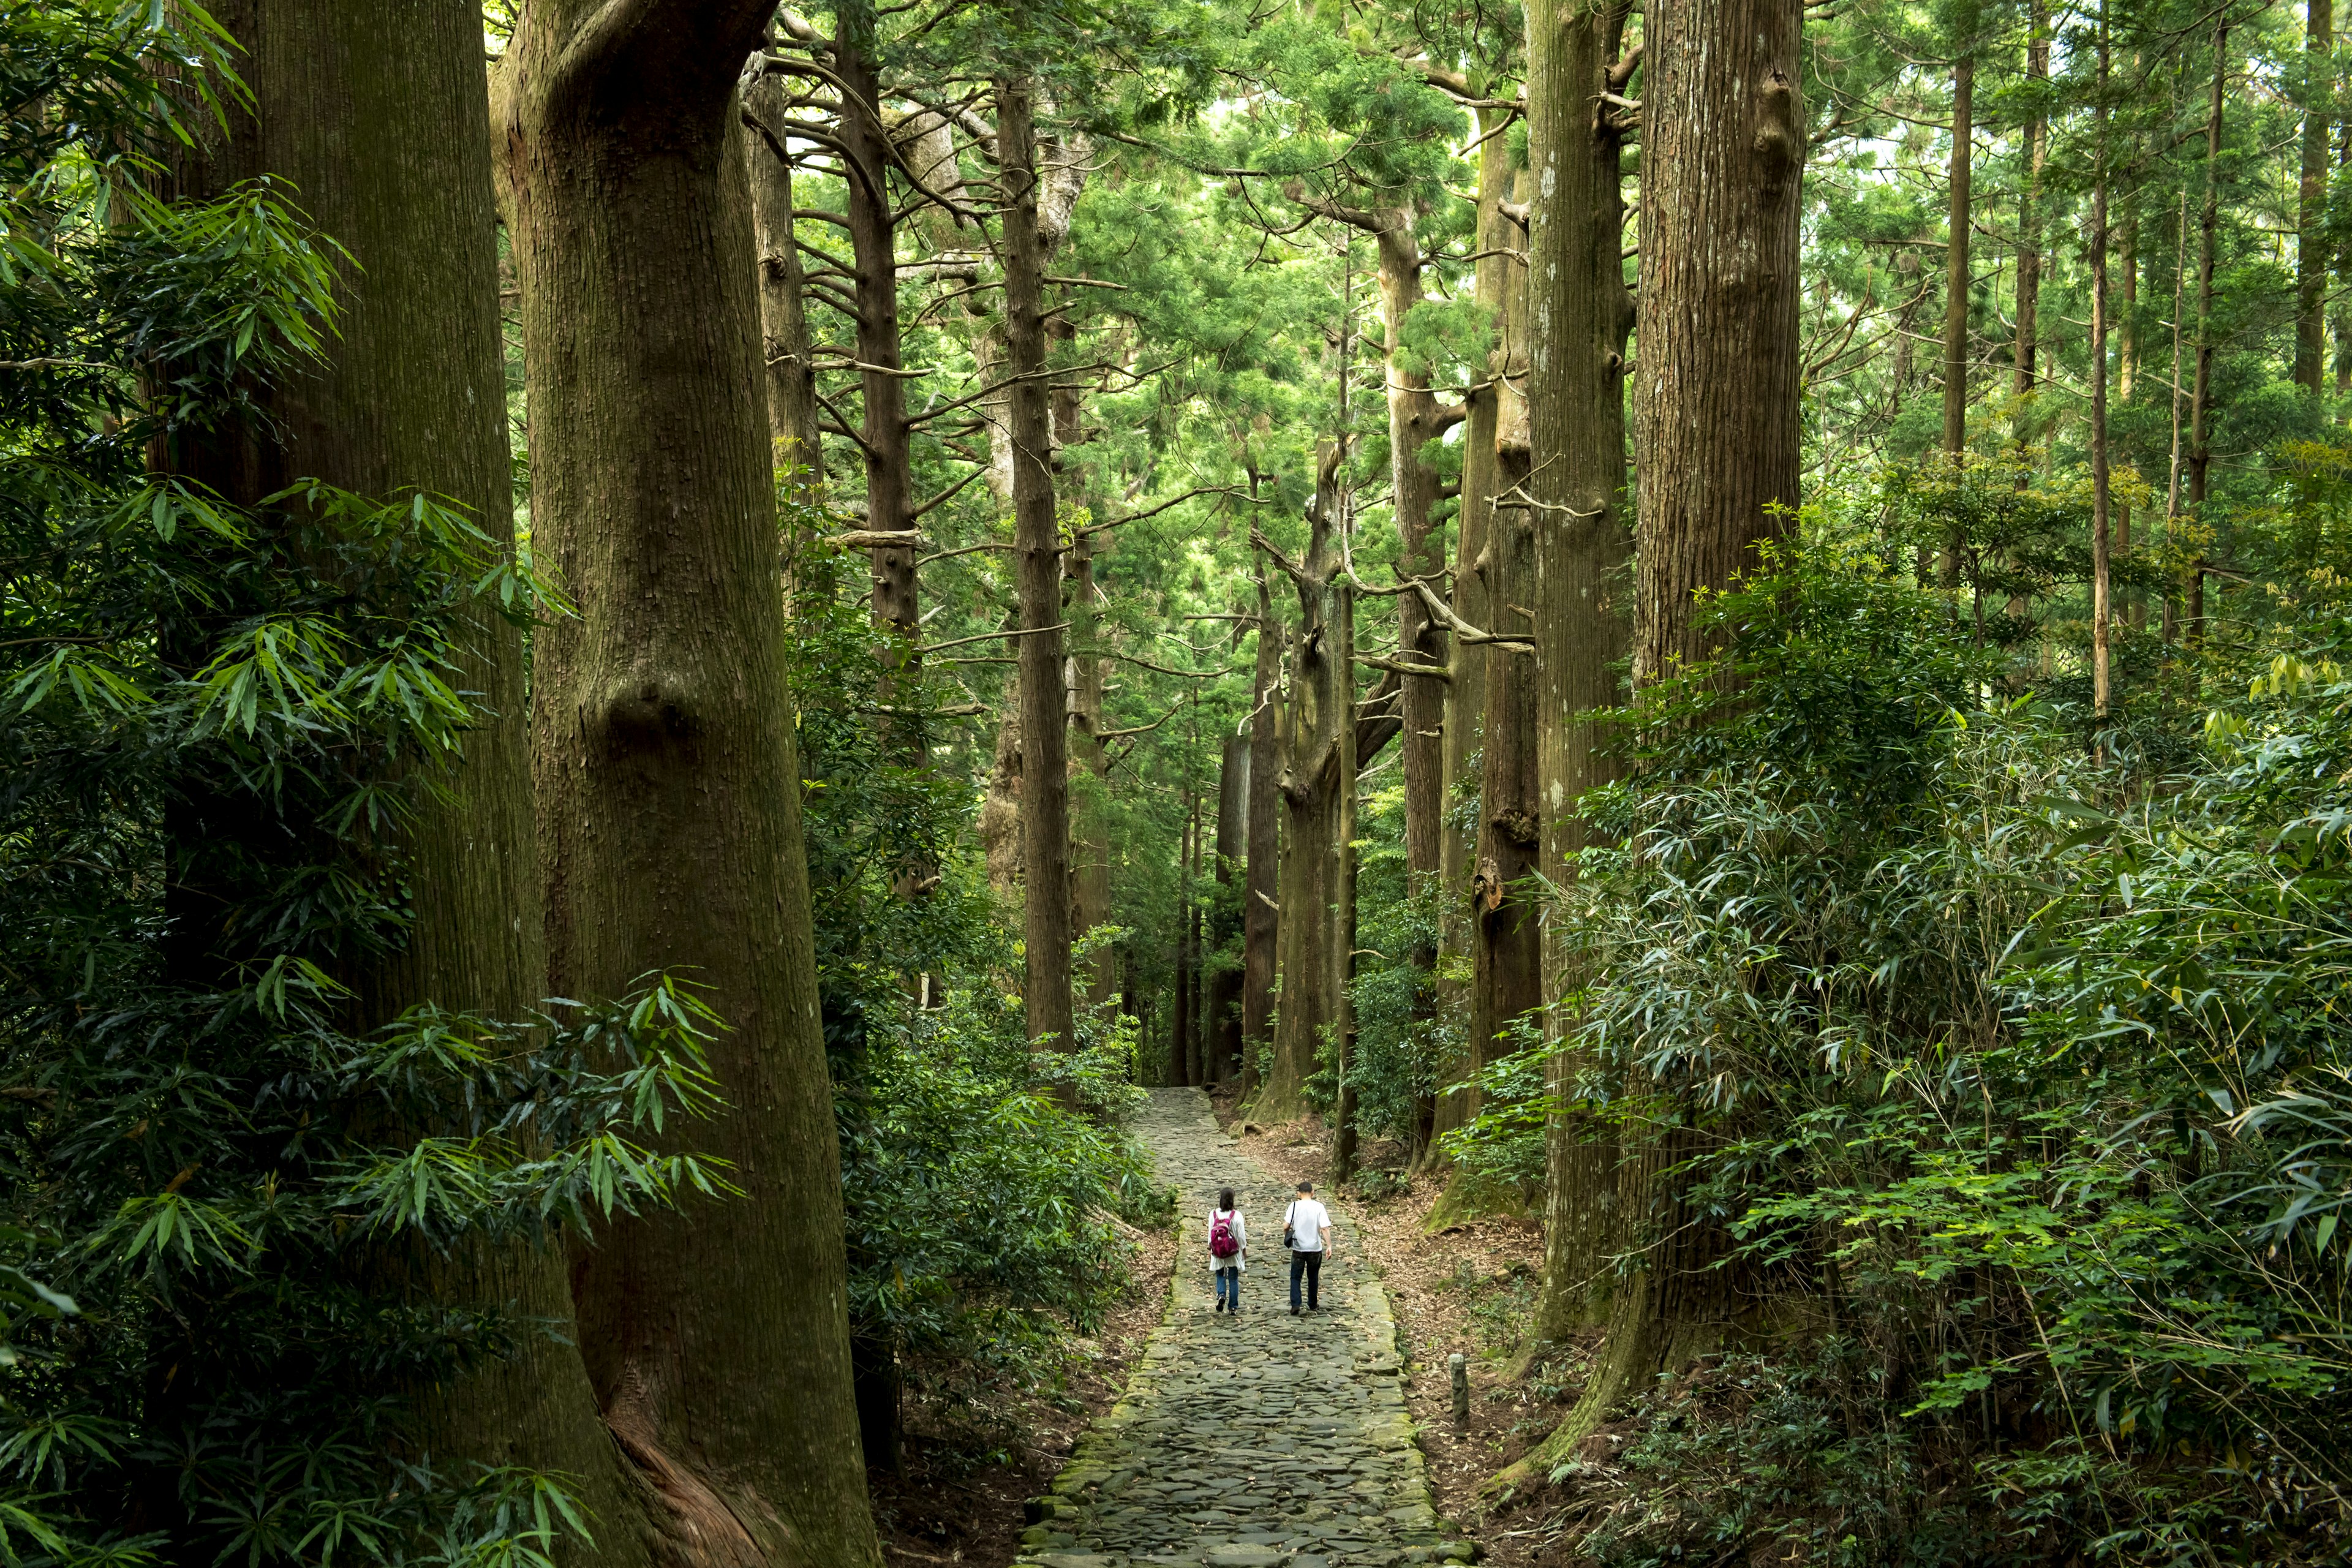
(1229, 1287)
(1311, 1265)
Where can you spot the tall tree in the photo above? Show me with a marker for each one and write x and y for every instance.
(784, 318)
(2200, 396)
(1045, 719)
(1579, 313)
(2028, 221)
(1318, 770)
(1957, 278)
(718, 1344)
(386, 135)
(1260, 925)
(2311, 247)
(1718, 415)
(1224, 1008)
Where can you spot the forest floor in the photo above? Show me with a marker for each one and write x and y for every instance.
(1469, 1287)
(976, 1450)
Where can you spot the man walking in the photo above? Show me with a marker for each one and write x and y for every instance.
(1306, 1231)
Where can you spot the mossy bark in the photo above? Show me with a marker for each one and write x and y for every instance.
(378, 117)
(1318, 772)
(717, 1340)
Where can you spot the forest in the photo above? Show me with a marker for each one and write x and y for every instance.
(658, 658)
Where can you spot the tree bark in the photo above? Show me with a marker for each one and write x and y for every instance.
(882, 427)
(2311, 239)
(1232, 851)
(1579, 313)
(379, 118)
(2101, 693)
(2200, 449)
(1318, 768)
(1258, 904)
(717, 1341)
(784, 320)
(1508, 948)
(1465, 700)
(1719, 404)
(2026, 384)
(1955, 275)
(1045, 717)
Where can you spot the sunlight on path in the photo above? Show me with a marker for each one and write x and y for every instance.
(1253, 1441)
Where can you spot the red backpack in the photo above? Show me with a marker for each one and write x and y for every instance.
(1221, 1237)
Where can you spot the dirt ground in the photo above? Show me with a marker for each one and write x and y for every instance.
(974, 1453)
(1470, 1288)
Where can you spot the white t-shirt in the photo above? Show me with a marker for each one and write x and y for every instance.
(1307, 1219)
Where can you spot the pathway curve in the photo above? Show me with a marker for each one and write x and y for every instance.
(1250, 1441)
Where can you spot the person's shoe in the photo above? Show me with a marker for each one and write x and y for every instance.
(1294, 1311)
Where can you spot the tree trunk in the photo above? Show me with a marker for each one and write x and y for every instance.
(1955, 275)
(783, 322)
(2200, 449)
(1180, 1037)
(1090, 903)
(1465, 700)
(1317, 769)
(1719, 404)
(883, 430)
(2100, 690)
(1579, 313)
(379, 118)
(2026, 384)
(717, 1341)
(2311, 239)
(1045, 717)
(1258, 903)
(1000, 808)
(1233, 848)
(1508, 948)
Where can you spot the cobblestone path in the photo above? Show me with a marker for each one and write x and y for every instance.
(1250, 1441)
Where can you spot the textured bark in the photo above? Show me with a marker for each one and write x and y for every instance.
(1955, 258)
(1045, 717)
(2100, 575)
(379, 118)
(2311, 239)
(2200, 398)
(1317, 771)
(717, 1341)
(1231, 851)
(1715, 395)
(783, 322)
(1465, 699)
(1579, 315)
(1506, 949)
(1717, 399)
(889, 482)
(1000, 808)
(2029, 227)
(1264, 807)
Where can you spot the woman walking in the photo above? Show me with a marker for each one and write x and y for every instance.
(1228, 1245)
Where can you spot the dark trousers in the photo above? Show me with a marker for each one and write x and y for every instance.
(1310, 1265)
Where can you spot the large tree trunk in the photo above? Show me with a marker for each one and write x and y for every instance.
(2311, 237)
(379, 118)
(718, 1342)
(783, 322)
(1045, 717)
(1465, 694)
(883, 428)
(1579, 315)
(1506, 949)
(1232, 851)
(1317, 769)
(1718, 406)
(1259, 923)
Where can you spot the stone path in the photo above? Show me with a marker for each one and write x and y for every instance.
(1250, 1441)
